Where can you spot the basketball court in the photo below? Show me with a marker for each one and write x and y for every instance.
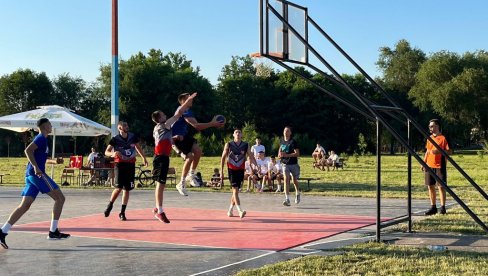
(200, 239)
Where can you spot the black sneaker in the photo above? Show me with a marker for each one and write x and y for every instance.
(107, 211)
(56, 235)
(431, 211)
(2, 240)
(443, 210)
(122, 216)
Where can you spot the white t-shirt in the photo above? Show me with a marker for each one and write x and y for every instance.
(263, 165)
(319, 149)
(255, 149)
(276, 168)
(333, 157)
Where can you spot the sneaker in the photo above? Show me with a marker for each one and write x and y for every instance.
(192, 180)
(286, 202)
(443, 210)
(107, 211)
(56, 235)
(2, 240)
(431, 211)
(122, 217)
(181, 188)
(229, 213)
(242, 214)
(161, 217)
(297, 199)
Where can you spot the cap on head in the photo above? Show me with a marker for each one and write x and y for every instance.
(42, 121)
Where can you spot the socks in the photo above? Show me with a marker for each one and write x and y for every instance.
(123, 208)
(183, 178)
(54, 225)
(6, 227)
(287, 197)
(239, 208)
(231, 207)
(160, 209)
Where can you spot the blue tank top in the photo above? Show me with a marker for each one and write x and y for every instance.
(180, 127)
(40, 155)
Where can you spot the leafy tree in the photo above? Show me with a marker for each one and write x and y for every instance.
(153, 81)
(23, 90)
(455, 87)
(400, 65)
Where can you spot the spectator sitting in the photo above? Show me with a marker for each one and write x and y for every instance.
(91, 164)
(215, 180)
(251, 175)
(332, 160)
(318, 153)
(262, 169)
(274, 172)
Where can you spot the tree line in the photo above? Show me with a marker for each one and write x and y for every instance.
(450, 86)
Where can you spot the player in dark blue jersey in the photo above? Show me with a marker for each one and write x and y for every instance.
(36, 180)
(186, 145)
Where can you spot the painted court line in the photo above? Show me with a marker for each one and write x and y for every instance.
(232, 264)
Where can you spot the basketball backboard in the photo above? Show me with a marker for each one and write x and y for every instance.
(283, 29)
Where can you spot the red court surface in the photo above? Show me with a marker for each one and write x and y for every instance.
(209, 228)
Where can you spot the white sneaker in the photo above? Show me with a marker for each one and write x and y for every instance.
(286, 202)
(297, 198)
(242, 214)
(229, 213)
(181, 188)
(191, 179)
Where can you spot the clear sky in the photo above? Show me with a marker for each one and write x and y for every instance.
(74, 36)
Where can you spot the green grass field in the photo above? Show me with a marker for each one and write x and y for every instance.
(358, 179)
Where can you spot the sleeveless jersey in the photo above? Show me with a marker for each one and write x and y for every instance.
(237, 155)
(127, 147)
(162, 140)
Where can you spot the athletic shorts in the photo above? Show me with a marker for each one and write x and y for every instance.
(160, 168)
(430, 180)
(35, 184)
(273, 176)
(236, 177)
(186, 144)
(124, 175)
(293, 169)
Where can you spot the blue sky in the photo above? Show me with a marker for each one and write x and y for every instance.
(74, 36)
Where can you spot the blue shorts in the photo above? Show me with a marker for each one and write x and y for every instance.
(35, 184)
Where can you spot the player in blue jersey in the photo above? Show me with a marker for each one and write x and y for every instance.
(186, 145)
(36, 180)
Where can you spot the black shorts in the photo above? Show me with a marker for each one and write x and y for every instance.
(124, 175)
(430, 180)
(186, 144)
(273, 176)
(160, 168)
(236, 177)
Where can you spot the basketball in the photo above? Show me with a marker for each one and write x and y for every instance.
(220, 118)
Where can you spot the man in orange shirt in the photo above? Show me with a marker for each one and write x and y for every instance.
(436, 162)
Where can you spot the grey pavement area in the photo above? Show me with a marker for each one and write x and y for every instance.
(32, 253)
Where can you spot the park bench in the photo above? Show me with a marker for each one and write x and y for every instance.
(308, 179)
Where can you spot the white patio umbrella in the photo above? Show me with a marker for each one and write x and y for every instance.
(64, 121)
